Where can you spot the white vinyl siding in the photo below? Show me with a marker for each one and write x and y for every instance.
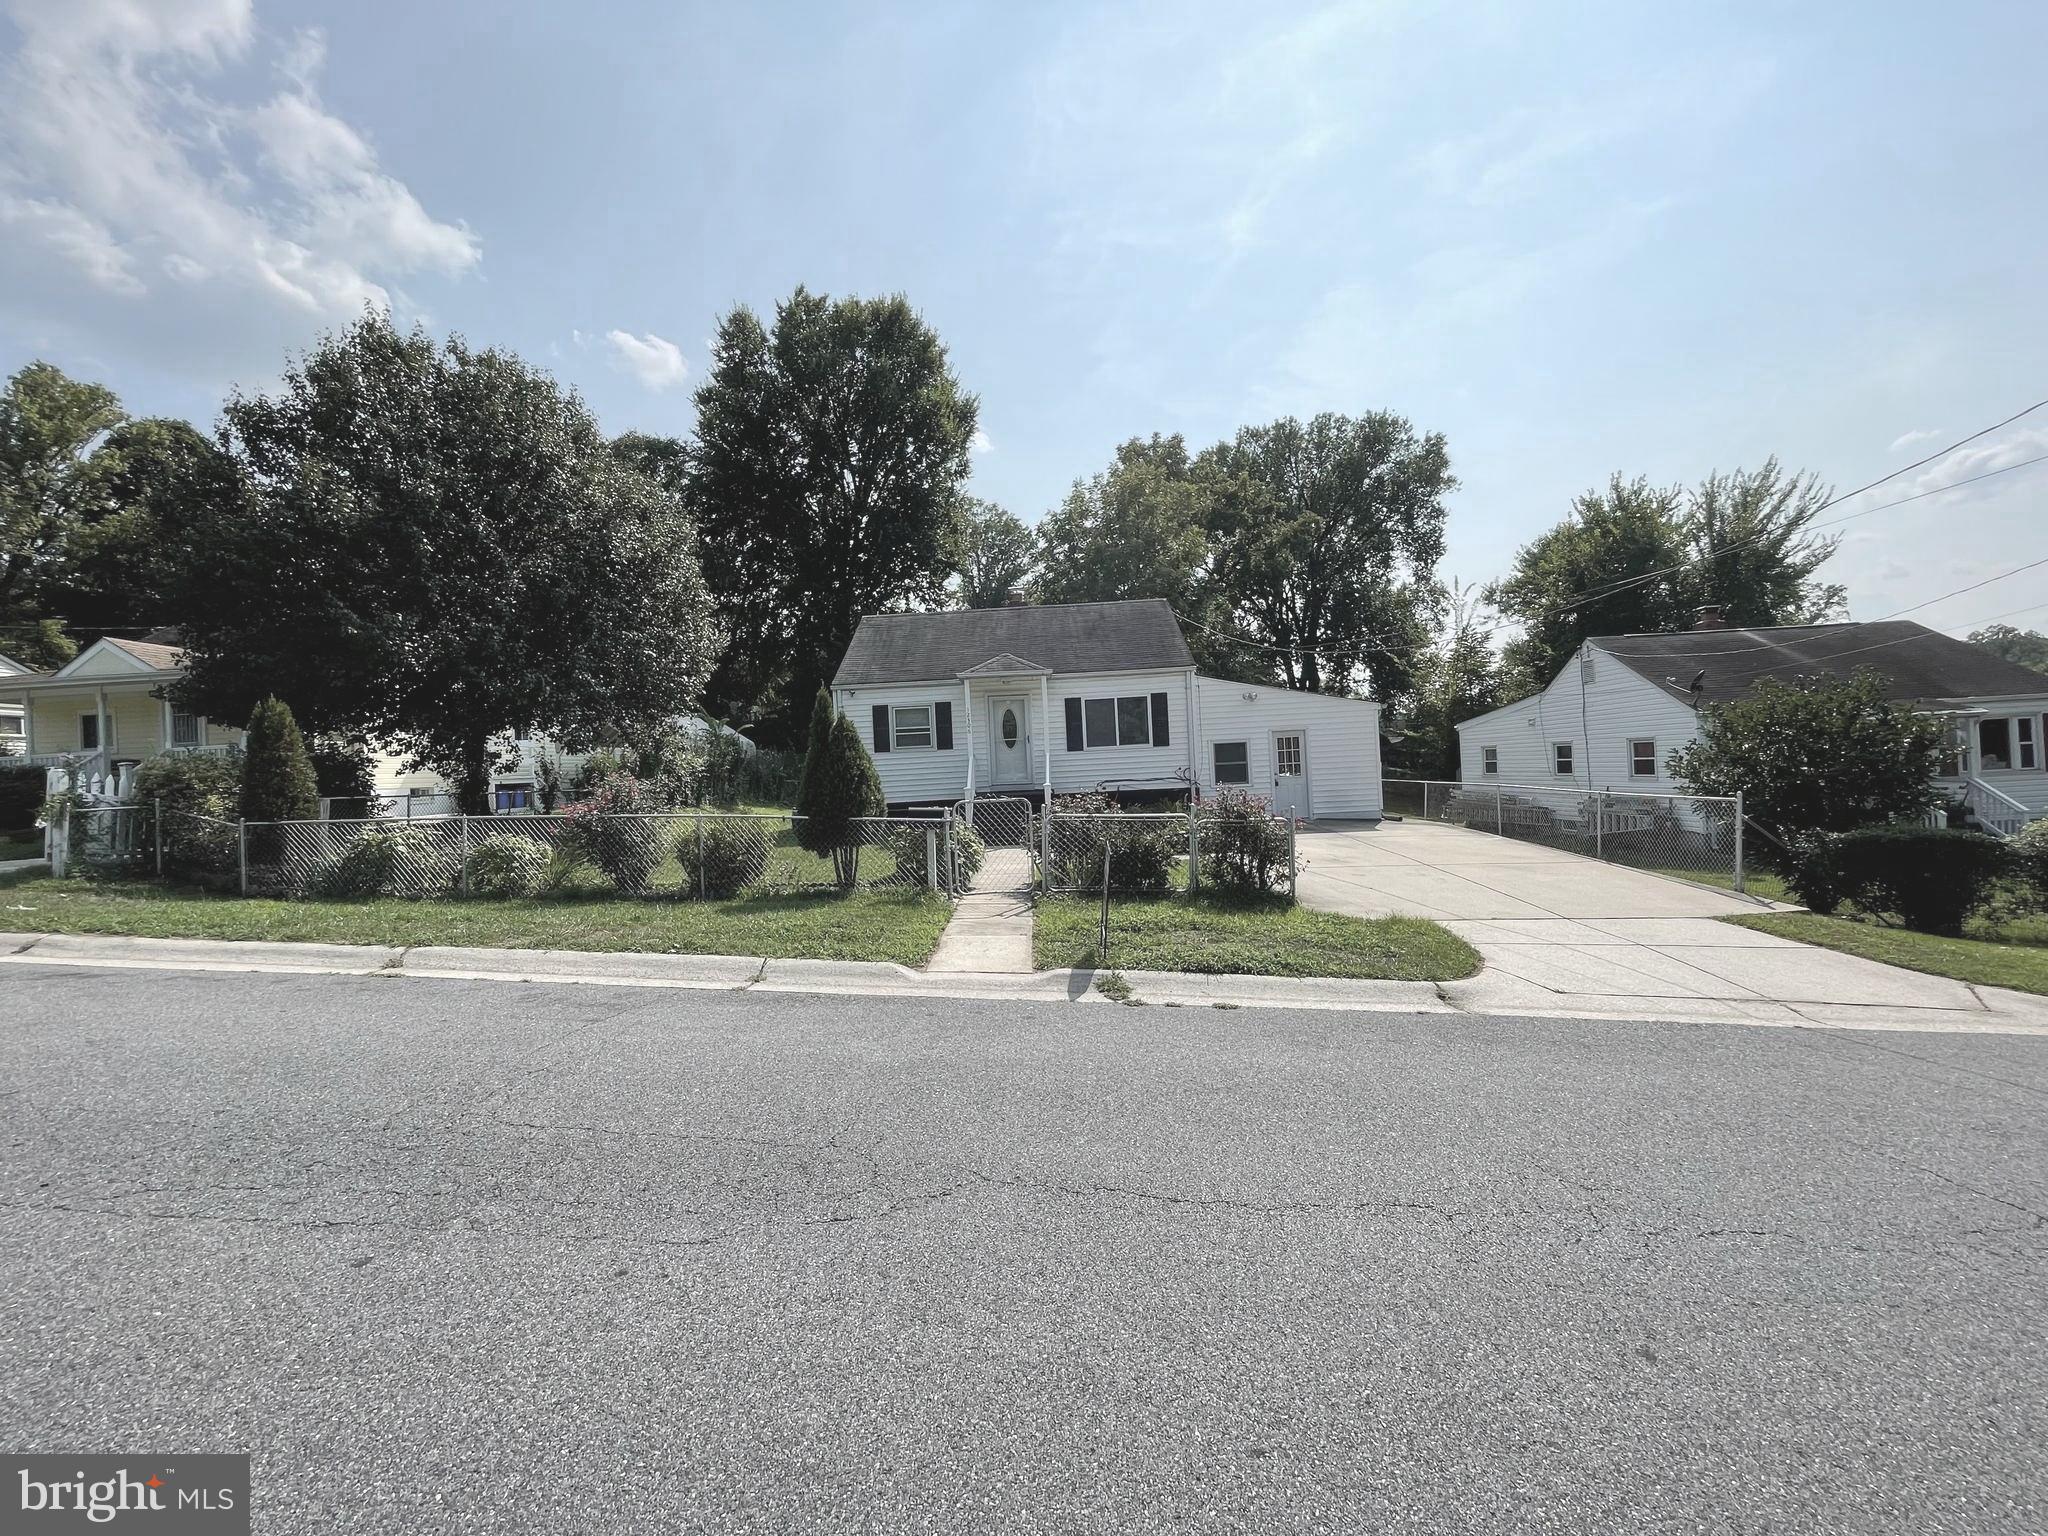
(1341, 737)
(1603, 722)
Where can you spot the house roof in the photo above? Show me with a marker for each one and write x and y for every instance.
(1136, 636)
(1918, 662)
(163, 657)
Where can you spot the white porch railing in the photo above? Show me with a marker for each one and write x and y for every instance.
(1994, 810)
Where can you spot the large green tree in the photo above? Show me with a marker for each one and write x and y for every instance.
(1637, 558)
(1326, 535)
(995, 555)
(2025, 646)
(831, 449)
(1458, 676)
(432, 545)
(50, 425)
(1595, 573)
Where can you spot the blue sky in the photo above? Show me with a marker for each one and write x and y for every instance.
(1575, 239)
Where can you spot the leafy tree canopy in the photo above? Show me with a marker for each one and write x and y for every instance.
(49, 426)
(1816, 755)
(431, 545)
(1634, 558)
(995, 555)
(2026, 647)
(831, 449)
(1326, 539)
(1456, 677)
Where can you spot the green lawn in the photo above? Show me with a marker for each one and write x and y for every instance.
(1255, 938)
(867, 925)
(1755, 882)
(2013, 954)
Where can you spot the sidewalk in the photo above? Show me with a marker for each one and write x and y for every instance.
(1966, 1009)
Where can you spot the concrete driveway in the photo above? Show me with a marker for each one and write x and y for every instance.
(1565, 934)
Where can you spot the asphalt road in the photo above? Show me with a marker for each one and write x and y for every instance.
(472, 1257)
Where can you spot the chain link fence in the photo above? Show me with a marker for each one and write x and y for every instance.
(1694, 837)
(1135, 853)
(684, 854)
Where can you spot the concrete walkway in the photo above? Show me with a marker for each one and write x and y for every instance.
(991, 928)
(1562, 934)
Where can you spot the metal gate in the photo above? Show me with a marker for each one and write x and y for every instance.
(1006, 825)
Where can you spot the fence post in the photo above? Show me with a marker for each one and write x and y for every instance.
(1499, 822)
(242, 852)
(1600, 824)
(931, 858)
(1194, 854)
(700, 853)
(1102, 937)
(462, 854)
(156, 821)
(946, 853)
(1738, 840)
(1293, 865)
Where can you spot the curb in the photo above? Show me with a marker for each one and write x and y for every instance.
(1479, 997)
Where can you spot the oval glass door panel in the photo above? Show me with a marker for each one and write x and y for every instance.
(1009, 728)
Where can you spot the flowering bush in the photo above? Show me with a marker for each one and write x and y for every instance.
(1243, 847)
(614, 830)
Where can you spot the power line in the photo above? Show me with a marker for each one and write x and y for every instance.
(1596, 593)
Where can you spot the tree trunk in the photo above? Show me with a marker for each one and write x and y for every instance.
(473, 788)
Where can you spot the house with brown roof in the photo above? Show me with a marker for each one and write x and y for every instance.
(106, 706)
(1612, 717)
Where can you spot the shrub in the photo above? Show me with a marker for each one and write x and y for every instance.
(277, 773)
(1142, 852)
(733, 856)
(839, 786)
(344, 770)
(768, 777)
(1243, 847)
(1930, 878)
(614, 830)
(388, 859)
(1811, 871)
(2029, 853)
(508, 865)
(1818, 755)
(199, 795)
(906, 845)
(21, 796)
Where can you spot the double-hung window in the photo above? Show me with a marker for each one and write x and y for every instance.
(1642, 759)
(913, 725)
(2025, 749)
(1125, 722)
(1233, 763)
(1561, 758)
(184, 728)
(1489, 761)
(88, 733)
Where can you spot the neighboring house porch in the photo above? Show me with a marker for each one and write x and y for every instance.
(105, 707)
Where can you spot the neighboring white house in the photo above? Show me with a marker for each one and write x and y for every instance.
(1066, 698)
(104, 707)
(13, 713)
(1612, 718)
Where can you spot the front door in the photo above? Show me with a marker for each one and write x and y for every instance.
(1009, 734)
(1290, 774)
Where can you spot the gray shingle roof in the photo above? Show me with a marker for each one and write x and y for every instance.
(1920, 663)
(1141, 635)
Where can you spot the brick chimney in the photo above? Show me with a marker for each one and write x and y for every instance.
(1709, 617)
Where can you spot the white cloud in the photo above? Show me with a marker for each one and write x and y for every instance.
(1907, 440)
(981, 442)
(123, 163)
(656, 363)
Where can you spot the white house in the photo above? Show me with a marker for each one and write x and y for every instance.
(1614, 715)
(1067, 698)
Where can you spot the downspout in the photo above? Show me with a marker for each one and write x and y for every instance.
(1193, 684)
(1045, 729)
(967, 709)
(106, 736)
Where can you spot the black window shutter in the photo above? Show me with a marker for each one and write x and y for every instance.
(881, 727)
(1074, 741)
(1159, 721)
(942, 724)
